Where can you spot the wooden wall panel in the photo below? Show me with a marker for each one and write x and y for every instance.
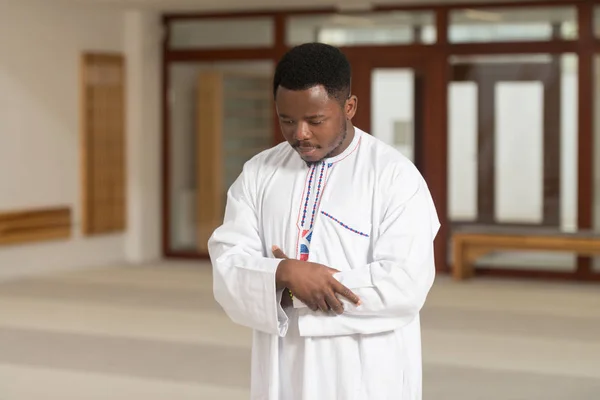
(209, 156)
(103, 143)
(27, 226)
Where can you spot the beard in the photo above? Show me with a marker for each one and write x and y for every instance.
(339, 143)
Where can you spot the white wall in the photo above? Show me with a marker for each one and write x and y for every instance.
(143, 52)
(40, 46)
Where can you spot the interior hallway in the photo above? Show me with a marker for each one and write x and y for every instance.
(155, 332)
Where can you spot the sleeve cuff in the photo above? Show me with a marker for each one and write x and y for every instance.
(282, 318)
(353, 279)
(298, 304)
(356, 278)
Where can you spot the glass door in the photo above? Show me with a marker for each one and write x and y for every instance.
(395, 109)
(390, 97)
(506, 130)
(394, 98)
(221, 114)
(512, 158)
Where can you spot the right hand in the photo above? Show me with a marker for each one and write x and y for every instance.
(313, 283)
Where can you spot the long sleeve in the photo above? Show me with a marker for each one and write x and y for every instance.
(393, 287)
(243, 278)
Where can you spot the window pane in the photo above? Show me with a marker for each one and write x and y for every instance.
(462, 151)
(568, 142)
(393, 108)
(512, 24)
(359, 29)
(513, 148)
(221, 114)
(519, 152)
(215, 33)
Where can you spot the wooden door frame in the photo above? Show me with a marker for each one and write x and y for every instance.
(431, 163)
(486, 77)
(585, 47)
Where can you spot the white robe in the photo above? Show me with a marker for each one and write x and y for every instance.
(376, 223)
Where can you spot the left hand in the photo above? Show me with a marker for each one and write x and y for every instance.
(317, 300)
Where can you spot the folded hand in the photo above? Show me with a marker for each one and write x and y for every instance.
(312, 283)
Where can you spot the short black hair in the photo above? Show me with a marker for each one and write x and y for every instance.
(314, 64)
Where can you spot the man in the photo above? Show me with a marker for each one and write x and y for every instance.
(342, 224)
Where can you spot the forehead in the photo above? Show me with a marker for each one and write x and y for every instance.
(302, 102)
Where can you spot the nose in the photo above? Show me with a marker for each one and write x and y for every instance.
(302, 132)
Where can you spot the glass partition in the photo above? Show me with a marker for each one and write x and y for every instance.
(512, 24)
(394, 27)
(393, 108)
(221, 114)
(512, 147)
(222, 33)
(462, 150)
(512, 119)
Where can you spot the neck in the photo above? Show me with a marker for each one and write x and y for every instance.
(345, 142)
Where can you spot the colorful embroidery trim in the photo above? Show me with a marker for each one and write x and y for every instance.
(343, 224)
(316, 204)
(312, 173)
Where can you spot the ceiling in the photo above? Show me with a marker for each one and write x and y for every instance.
(239, 5)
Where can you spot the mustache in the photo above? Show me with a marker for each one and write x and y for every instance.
(305, 145)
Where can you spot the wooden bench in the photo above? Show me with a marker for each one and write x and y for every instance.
(37, 225)
(471, 243)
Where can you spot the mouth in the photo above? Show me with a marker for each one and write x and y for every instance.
(306, 150)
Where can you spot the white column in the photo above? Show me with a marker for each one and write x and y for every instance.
(142, 49)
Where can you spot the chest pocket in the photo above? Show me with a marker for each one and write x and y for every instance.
(347, 236)
(360, 228)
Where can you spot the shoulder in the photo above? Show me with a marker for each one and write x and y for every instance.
(262, 167)
(269, 158)
(393, 169)
(255, 170)
(400, 183)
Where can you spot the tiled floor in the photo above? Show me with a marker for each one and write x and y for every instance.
(155, 332)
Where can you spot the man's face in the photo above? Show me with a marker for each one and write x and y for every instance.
(314, 124)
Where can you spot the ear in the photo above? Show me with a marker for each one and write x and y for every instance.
(350, 107)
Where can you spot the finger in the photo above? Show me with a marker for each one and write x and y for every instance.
(278, 253)
(347, 293)
(312, 306)
(323, 306)
(332, 271)
(334, 303)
